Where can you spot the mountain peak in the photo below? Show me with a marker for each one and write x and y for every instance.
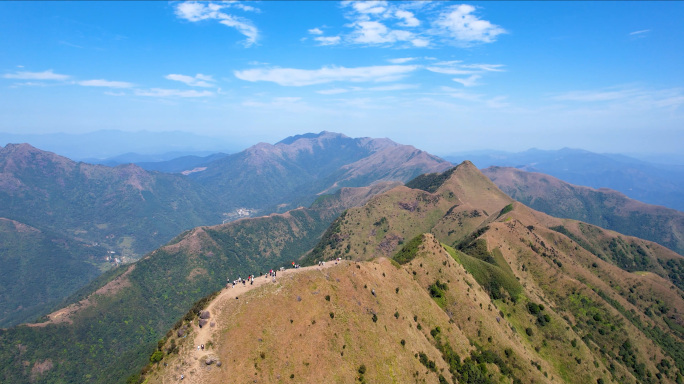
(14, 157)
(321, 135)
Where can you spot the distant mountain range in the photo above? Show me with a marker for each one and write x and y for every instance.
(603, 207)
(294, 171)
(478, 287)
(92, 147)
(607, 295)
(128, 211)
(647, 182)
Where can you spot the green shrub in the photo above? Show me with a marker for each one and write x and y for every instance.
(156, 357)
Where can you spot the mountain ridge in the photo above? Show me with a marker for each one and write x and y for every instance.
(603, 207)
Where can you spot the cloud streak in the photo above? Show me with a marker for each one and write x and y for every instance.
(105, 83)
(161, 92)
(476, 71)
(199, 80)
(635, 98)
(293, 77)
(45, 75)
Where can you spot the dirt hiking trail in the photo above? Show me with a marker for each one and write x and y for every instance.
(191, 360)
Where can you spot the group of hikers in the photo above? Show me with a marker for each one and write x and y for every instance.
(250, 279)
(272, 273)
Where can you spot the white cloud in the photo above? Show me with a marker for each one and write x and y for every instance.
(328, 40)
(199, 80)
(451, 71)
(381, 88)
(301, 77)
(640, 32)
(160, 92)
(315, 31)
(460, 24)
(468, 81)
(457, 67)
(45, 75)
(115, 93)
(415, 24)
(368, 7)
(408, 17)
(401, 60)
(247, 8)
(196, 11)
(333, 91)
(485, 67)
(375, 32)
(420, 43)
(105, 83)
(393, 87)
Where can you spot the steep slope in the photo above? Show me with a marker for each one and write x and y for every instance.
(125, 208)
(352, 322)
(64, 264)
(434, 318)
(613, 303)
(453, 204)
(301, 167)
(115, 322)
(605, 208)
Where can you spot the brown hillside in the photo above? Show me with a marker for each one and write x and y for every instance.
(487, 291)
(603, 207)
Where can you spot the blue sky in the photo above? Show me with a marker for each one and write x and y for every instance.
(442, 76)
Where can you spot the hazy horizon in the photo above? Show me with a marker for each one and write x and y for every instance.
(119, 144)
(445, 77)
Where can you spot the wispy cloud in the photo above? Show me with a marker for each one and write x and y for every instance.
(468, 81)
(381, 88)
(45, 75)
(301, 77)
(495, 102)
(199, 80)
(457, 67)
(315, 31)
(333, 91)
(105, 83)
(278, 102)
(161, 92)
(401, 60)
(632, 97)
(485, 67)
(198, 11)
(460, 23)
(328, 40)
(641, 32)
(451, 70)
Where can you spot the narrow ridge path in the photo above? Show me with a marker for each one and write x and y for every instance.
(191, 359)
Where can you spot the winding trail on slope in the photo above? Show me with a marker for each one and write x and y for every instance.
(191, 362)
